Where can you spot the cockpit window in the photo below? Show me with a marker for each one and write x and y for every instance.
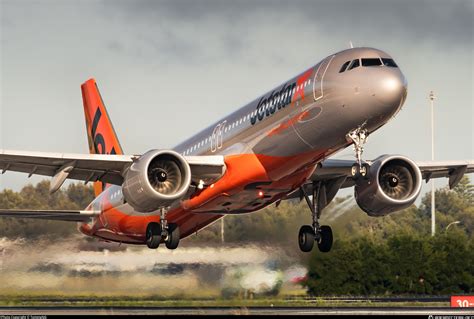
(354, 64)
(371, 62)
(344, 66)
(389, 62)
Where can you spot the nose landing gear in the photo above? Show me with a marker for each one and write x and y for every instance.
(322, 235)
(359, 138)
(156, 233)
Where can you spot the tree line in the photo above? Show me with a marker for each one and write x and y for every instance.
(405, 263)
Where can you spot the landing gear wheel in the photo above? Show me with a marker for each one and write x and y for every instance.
(364, 170)
(360, 171)
(153, 235)
(325, 239)
(306, 238)
(321, 234)
(172, 240)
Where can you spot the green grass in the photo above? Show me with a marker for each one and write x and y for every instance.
(38, 300)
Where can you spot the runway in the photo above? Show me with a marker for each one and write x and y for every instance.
(375, 311)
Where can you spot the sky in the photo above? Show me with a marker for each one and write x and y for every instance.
(166, 69)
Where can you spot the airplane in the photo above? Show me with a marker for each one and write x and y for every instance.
(275, 148)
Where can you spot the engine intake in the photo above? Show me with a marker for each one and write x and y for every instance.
(394, 183)
(157, 179)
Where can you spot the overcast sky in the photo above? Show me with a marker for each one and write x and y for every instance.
(166, 69)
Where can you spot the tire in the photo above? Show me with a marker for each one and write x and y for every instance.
(153, 235)
(366, 167)
(325, 241)
(357, 172)
(306, 238)
(172, 241)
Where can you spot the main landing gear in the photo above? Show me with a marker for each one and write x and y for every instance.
(308, 235)
(158, 232)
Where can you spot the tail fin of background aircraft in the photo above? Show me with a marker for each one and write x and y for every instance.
(100, 131)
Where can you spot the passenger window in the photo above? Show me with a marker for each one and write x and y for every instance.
(344, 66)
(371, 62)
(389, 62)
(354, 64)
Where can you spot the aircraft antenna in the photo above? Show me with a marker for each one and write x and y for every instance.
(350, 44)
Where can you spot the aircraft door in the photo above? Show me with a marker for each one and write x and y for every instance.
(305, 116)
(318, 92)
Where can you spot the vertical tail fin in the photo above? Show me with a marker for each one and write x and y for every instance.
(100, 131)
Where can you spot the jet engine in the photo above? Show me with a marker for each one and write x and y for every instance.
(157, 179)
(393, 183)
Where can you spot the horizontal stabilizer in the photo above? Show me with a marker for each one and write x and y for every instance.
(62, 215)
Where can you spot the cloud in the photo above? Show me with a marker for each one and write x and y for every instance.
(192, 62)
(440, 22)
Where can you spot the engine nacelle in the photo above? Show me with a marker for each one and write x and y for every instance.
(157, 179)
(393, 183)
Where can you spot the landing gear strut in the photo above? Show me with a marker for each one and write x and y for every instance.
(156, 233)
(322, 235)
(359, 138)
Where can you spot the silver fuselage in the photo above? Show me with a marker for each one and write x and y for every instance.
(273, 143)
(336, 103)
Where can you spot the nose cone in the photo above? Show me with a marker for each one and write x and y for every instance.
(391, 89)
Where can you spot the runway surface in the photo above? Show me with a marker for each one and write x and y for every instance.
(234, 311)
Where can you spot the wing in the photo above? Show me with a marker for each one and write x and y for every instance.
(95, 167)
(454, 170)
(63, 215)
(337, 174)
(85, 167)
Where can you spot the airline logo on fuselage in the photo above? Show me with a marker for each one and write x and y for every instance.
(277, 100)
